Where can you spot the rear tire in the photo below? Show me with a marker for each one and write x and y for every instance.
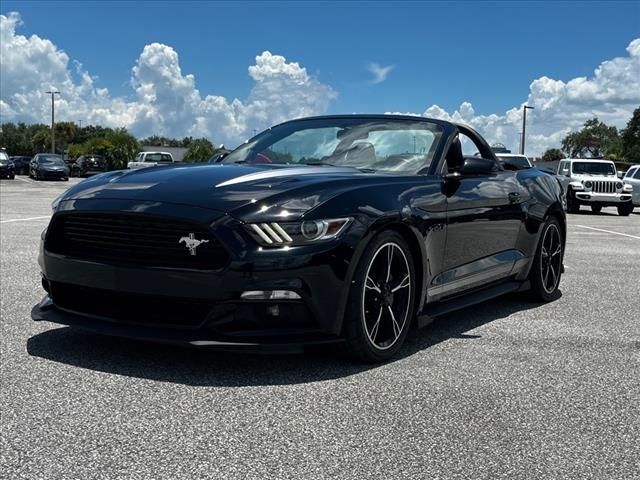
(596, 208)
(625, 210)
(381, 299)
(546, 270)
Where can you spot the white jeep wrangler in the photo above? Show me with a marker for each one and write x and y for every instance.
(594, 183)
(150, 159)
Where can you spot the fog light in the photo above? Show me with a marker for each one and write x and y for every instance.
(273, 310)
(270, 295)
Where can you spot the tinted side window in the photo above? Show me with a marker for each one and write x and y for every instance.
(637, 174)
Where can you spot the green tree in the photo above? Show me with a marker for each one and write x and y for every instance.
(41, 141)
(630, 137)
(595, 139)
(124, 148)
(199, 150)
(66, 133)
(552, 155)
(74, 150)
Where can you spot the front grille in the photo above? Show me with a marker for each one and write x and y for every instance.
(131, 308)
(604, 186)
(53, 174)
(135, 239)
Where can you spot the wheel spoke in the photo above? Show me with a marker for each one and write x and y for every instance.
(389, 260)
(557, 251)
(396, 327)
(406, 282)
(374, 330)
(546, 276)
(371, 285)
(553, 275)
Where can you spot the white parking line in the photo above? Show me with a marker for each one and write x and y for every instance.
(24, 219)
(609, 231)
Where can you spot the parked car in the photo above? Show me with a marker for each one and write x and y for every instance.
(7, 168)
(21, 164)
(87, 165)
(594, 183)
(150, 159)
(46, 166)
(632, 177)
(513, 160)
(327, 229)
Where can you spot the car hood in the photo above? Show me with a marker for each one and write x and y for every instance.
(224, 188)
(52, 167)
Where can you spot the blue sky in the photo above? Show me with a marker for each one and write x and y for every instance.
(441, 53)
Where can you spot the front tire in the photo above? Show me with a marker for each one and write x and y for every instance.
(381, 300)
(546, 270)
(572, 204)
(625, 210)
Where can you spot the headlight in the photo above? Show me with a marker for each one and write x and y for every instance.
(55, 203)
(588, 184)
(275, 234)
(619, 185)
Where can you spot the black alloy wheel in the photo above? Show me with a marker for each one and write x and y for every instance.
(381, 299)
(546, 270)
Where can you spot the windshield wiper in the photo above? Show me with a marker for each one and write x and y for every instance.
(320, 163)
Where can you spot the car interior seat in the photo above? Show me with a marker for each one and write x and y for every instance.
(361, 153)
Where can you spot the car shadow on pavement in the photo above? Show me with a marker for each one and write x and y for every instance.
(199, 367)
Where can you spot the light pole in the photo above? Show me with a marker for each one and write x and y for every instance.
(80, 124)
(524, 126)
(53, 94)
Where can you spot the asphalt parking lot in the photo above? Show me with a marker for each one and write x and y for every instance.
(506, 389)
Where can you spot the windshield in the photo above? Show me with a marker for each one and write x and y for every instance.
(391, 146)
(50, 160)
(518, 160)
(593, 168)
(157, 157)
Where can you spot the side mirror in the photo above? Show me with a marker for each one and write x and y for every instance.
(478, 166)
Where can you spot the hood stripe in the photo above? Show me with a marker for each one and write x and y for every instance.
(285, 172)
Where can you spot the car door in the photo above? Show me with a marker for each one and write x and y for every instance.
(632, 177)
(484, 216)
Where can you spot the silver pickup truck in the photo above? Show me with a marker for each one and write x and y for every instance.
(150, 159)
(594, 183)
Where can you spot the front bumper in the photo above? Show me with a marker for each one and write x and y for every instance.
(200, 338)
(53, 174)
(166, 304)
(602, 199)
(6, 170)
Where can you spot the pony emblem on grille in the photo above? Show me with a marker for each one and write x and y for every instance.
(191, 242)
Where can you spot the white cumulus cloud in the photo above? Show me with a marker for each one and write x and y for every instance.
(611, 94)
(167, 102)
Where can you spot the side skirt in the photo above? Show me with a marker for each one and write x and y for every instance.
(431, 311)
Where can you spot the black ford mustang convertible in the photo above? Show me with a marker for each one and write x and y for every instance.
(341, 228)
